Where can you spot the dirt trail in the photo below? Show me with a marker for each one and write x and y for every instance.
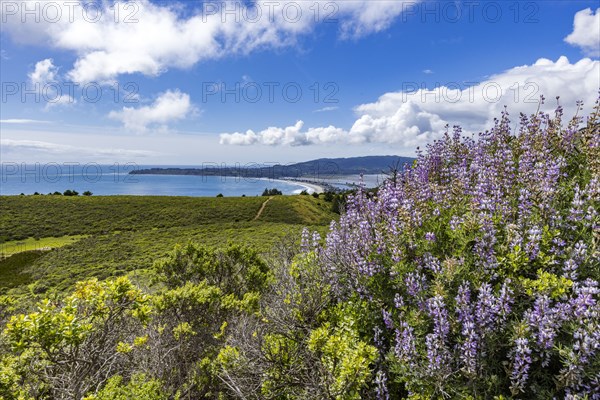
(262, 208)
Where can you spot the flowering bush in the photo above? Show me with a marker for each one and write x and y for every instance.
(480, 264)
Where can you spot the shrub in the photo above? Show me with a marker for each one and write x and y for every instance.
(139, 388)
(67, 348)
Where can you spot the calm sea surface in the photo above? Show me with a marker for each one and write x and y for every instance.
(115, 180)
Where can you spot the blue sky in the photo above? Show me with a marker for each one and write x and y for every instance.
(378, 77)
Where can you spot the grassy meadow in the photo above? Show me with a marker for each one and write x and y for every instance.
(47, 243)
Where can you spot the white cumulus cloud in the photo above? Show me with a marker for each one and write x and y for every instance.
(586, 32)
(149, 38)
(169, 106)
(44, 72)
(412, 118)
(44, 79)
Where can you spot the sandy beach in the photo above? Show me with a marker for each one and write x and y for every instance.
(310, 187)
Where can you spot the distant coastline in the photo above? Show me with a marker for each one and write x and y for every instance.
(311, 171)
(311, 187)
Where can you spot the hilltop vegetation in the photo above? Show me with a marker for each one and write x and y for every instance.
(43, 216)
(474, 274)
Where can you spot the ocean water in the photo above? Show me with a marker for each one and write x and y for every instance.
(105, 180)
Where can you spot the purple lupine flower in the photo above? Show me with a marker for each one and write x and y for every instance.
(585, 346)
(579, 251)
(304, 241)
(504, 301)
(377, 337)
(533, 244)
(387, 319)
(438, 355)
(521, 365)
(543, 322)
(583, 302)
(398, 301)
(570, 270)
(437, 311)
(416, 283)
(558, 245)
(525, 203)
(576, 211)
(571, 266)
(432, 263)
(484, 245)
(430, 237)
(469, 348)
(405, 348)
(486, 308)
(455, 221)
(381, 389)
(316, 239)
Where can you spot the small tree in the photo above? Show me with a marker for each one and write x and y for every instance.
(87, 193)
(272, 192)
(335, 205)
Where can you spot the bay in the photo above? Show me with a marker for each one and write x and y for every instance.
(115, 180)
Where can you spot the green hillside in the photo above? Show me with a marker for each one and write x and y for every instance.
(51, 242)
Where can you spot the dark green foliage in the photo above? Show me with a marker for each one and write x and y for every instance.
(12, 272)
(87, 193)
(235, 269)
(335, 205)
(272, 192)
(70, 192)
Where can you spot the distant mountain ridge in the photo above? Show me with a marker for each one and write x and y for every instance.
(321, 168)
